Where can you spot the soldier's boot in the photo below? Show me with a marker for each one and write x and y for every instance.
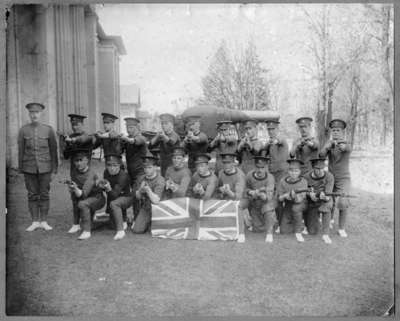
(33, 206)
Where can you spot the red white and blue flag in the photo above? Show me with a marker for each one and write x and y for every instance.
(194, 219)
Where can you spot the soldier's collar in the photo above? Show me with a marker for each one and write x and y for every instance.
(233, 173)
(260, 178)
(203, 176)
(151, 178)
(315, 177)
(288, 180)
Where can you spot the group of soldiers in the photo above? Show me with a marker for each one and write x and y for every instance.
(279, 190)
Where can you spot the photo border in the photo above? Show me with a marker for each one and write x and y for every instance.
(3, 102)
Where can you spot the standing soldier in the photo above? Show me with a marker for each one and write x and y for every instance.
(225, 141)
(86, 197)
(134, 145)
(78, 139)
(203, 182)
(305, 147)
(110, 140)
(294, 201)
(320, 183)
(177, 175)
(195, 141)
(150, 191)
(249, 146)
(116, 184)
(231, 184)
(38, 160)
(260, 190)
(338, 152)
(278, 151)
(167, 139)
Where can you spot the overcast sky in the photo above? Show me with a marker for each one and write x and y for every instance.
(169, 46)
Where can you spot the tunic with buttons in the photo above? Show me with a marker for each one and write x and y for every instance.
(37, 149)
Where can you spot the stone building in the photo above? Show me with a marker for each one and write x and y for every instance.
(60, 56)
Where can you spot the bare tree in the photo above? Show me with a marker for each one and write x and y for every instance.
(331, 61)
(240, 83)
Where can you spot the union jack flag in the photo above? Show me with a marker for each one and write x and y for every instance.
(194, 219)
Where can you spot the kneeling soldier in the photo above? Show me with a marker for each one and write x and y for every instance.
(150, 191)
(177, 176)
(338, 152)
(259, 191)
(203, 182)
(320, 183)
(291, 191)
(231, 182)
(86, 197)
(116, 184)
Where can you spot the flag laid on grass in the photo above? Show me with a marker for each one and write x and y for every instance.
(194, 219)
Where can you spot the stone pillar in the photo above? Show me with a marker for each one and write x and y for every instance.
(93, 112)
(79, 59)
(13, 113)
(64, 66)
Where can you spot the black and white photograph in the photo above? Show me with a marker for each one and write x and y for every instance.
(199, 159)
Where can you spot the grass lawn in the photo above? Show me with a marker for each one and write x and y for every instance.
(52, 273)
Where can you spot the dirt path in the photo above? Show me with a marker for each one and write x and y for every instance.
(51, 273)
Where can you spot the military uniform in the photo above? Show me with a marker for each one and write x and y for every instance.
(315, 208)
(119, 198)
(231, 186)
(180, 176)
(224, 142)
(305, 148)
(277, 150)
(338, 153)
(166, 143)
(262, 211)
(292, 215)
(111, 144)
(38, 159)
(135, 148)
(208, 181)
(79, 139)
(157, 185)
(247, 148)
(193, 147)
(92, 198)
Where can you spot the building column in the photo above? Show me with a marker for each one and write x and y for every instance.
(13, 112)
(79, 59)
(64, 66)
(93, 112)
